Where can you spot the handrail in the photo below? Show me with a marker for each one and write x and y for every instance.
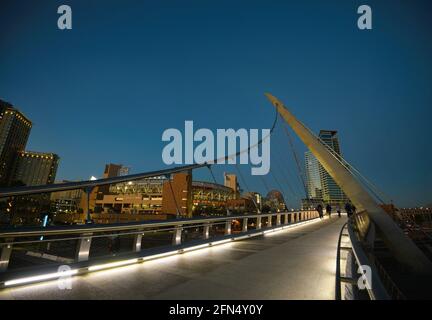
(56, 187)
(104, 235)
(375, 289)
(85, 261)
(338, 294)
(55, 230)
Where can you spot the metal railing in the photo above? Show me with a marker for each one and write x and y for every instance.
(35, 254)
(354, 230)
(339, 278)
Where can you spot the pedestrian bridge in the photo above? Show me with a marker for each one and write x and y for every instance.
(296, 262)
(276, 255)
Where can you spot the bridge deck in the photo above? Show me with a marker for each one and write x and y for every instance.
(296, 263)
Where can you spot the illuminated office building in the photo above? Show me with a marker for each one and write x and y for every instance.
(14, 132)
(36, 168)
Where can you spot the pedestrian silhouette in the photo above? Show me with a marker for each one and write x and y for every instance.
(349, 209)
(328, 210)
(319, 208)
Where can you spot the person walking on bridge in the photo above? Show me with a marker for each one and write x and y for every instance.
(348, 209)
(328, 209)
(319, 208)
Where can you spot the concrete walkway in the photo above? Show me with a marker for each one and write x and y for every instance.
(296, 263)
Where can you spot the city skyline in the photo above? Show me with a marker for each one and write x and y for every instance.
(116, 78)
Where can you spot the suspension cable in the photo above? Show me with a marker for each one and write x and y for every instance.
(279, 186)
(211, 172)
(371, 187)
(173, 195)
(350, 168)
(6, 192)
(235, 155)
(246, 186)
(286, 179)
(300, 171)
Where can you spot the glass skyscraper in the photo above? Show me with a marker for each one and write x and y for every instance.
(313, 178)
(320, 185)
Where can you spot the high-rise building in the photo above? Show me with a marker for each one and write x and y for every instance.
(14, 132)
(35, 168)
(331, 192)
(320, 185)
(313, 179)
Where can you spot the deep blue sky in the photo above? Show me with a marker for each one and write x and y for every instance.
(106, 90)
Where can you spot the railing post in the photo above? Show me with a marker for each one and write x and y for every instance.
(88, 191)
(269, 220)
(228, 226)
(206, 231)
(258, 223)
(137, 242)
(177, 235)
(286, 218)
(245, 225)
(83, 247)
(278, 220)
(6, 250)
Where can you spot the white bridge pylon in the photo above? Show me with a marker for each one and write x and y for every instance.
(403, 248)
